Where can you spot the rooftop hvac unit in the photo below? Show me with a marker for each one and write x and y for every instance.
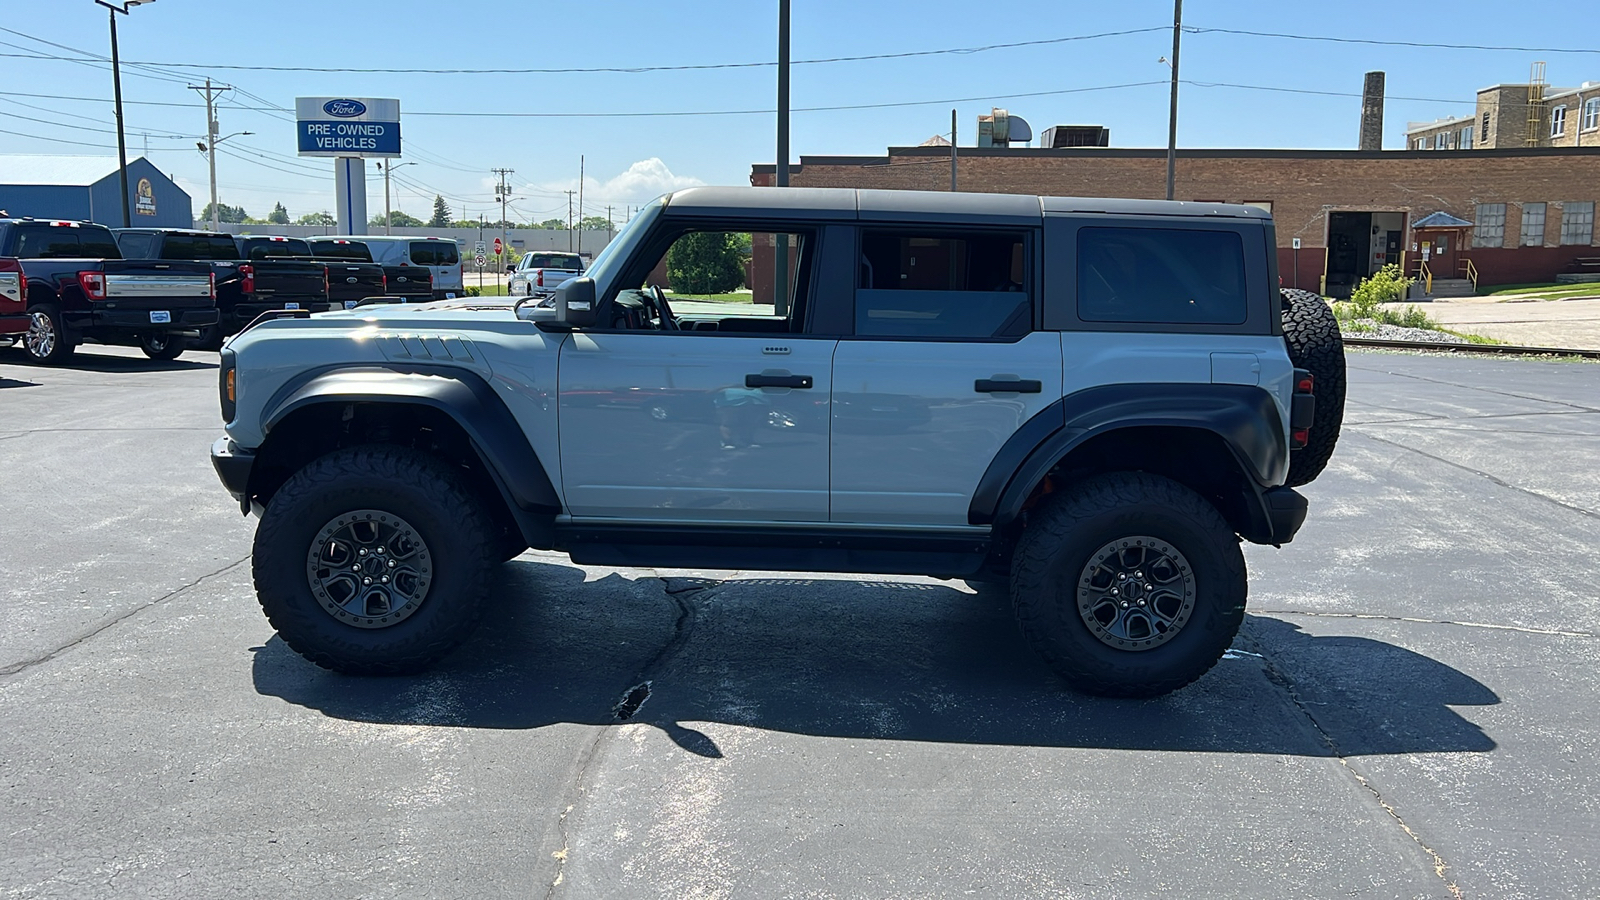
(1000, 129)
(1077, 136)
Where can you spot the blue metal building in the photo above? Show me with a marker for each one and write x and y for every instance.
(86, 188)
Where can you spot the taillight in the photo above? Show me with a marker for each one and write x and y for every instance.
(93, 284)
(213, 286)
(1302, 409)
(327, 286)
(386, 284)
(22, 286)
(1305, 384)
(247, 278)
(541, 278)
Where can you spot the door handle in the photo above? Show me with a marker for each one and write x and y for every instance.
(1013, 385)
(784, 381)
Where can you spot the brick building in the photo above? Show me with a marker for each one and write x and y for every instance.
(1529, 212)
(1517, 115)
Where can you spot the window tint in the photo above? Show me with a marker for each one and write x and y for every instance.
(434, 253)
(265, 248)
(1163, 275)
(66, 242)
(352, 250)
(198, 247)
(970, 285)
(134, 246)
(554, 261)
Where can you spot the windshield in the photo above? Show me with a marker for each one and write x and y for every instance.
(266, 248)
(604, 268)
(66, 242)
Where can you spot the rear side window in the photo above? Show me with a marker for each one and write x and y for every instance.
(1161, 275)
(66, 242)
(434, 253)
(198, 247)
(267, 248)
(352, 250)
(972, 285)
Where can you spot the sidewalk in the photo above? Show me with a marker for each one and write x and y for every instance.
(1541, 323)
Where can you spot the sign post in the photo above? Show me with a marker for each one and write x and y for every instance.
(349, 131)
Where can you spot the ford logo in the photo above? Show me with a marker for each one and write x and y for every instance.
(351, 280)
(345, 109)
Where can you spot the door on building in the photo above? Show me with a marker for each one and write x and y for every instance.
(1349, 251)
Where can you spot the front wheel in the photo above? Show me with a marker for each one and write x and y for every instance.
(1128, 585)
(374, 560)
(164, 346)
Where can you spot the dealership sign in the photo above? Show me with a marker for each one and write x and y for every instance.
(345, 126)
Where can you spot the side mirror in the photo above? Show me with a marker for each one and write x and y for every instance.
(510, 269)
(575, 303)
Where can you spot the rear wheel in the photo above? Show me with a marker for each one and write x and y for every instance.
(162, 345)
(46, 341)
(210, 338)
(1312, 335)
(374, 560)
(1128, 585)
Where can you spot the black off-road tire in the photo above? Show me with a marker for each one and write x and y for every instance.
(47, 342)
(162, 346)
(423, 491)
(1312, 335)
(1053, 559)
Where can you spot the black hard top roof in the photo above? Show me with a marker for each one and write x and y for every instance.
(842, 204)
(197, 231)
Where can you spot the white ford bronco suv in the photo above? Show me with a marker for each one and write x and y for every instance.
(1092, 400)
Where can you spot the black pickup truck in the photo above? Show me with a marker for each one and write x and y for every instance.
(344, 283)
(408, 284)
(80, 287)
(247, 284)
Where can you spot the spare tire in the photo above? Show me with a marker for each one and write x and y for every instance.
(1312, 335)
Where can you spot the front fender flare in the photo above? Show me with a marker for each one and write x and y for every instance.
(462, 395)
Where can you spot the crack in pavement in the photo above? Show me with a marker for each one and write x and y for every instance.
(1493, 478)
(1441, 868)
(1520, 629)
(683, 596)
(18, 667)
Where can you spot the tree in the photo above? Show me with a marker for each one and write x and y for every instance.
(553, 224)
(594, 223)
(225, 213)
(396, 219)
(441, 213)
(705, 263)
(279, 215)
(317, 218)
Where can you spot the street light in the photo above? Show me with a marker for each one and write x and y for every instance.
(388, 217)
(211, 154)
(116, 83)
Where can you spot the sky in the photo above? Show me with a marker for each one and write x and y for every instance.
(1110, 73)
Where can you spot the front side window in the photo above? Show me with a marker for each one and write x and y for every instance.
(717, 282)
(942, 285)
(1490, 230)
(1533, 224)
(1577, 222)
(1558, 121)
(1161, 275)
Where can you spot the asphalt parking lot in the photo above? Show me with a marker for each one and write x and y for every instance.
(1409, 710)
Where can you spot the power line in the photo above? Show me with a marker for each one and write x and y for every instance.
(1422, 44)
(1284, 90)
(632, 70)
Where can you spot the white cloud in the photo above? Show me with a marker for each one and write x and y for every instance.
(643, 181)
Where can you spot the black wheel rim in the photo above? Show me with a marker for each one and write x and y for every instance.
(40, 340)
(369, 568)
(1136, 593)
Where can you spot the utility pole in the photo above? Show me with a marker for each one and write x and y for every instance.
(1172, 120)
(580, 203)
(211, 93)
(569, 218)
(503, 191)
(116, 84)
(780, 293)
(952, 151)
(611, 227)
(388, 217)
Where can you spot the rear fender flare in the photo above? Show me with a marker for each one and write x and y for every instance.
(1245, 417)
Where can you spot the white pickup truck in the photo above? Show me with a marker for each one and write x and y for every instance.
(541, 271)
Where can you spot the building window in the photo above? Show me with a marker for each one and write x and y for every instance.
(1577, 222)
(1532, 224)
(1558, 121)
(1491, 227)
(1465, 142)
(1485, 136)
(1591, 113)
(1427, 142)
(1419, 144)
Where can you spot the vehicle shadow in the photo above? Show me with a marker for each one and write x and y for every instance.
(880, 660)
(105, 362)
